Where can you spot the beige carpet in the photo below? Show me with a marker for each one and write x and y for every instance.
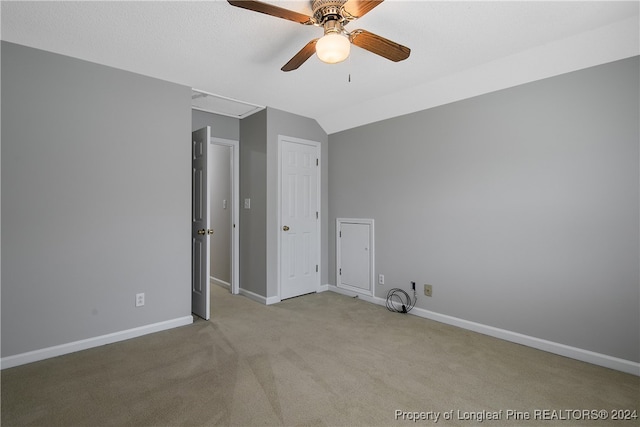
(317, 360)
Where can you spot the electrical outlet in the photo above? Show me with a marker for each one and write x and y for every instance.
(381, 279)
(428, 290)
(139, 300)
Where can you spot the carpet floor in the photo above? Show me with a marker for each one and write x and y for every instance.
(317, 360)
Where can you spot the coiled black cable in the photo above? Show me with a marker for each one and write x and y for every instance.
(399, 301)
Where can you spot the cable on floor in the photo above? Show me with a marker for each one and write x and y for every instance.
(399, 301)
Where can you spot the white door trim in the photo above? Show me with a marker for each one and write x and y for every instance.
(318, 147)
(235, 209)
(372, 257)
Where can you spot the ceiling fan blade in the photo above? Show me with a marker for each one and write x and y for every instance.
(358, 8)
(269, 9)
(379, 45)
(300, 57)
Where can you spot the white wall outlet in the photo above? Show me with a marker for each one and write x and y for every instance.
(139, 300)
(247, 203)
(381, 279)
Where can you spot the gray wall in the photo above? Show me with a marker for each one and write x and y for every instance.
(253, 185)
(520, 207)
(96, 200)
(259, 181)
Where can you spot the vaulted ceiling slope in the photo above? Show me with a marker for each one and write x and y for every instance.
(458, 49)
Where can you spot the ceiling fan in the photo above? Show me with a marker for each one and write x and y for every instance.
(332, 15)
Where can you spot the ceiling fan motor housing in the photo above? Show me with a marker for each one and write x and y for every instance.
(328, 10)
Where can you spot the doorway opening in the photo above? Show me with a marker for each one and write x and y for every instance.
(205, 180)
(223, 160)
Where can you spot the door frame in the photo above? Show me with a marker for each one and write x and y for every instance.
(372, 255)
(318, 147)
(235, 208)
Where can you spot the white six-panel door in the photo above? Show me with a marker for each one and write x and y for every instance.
(299, 217)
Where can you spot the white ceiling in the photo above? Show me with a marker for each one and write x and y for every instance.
(458, 49)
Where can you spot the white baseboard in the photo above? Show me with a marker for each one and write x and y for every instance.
(272, 300)
(588, 356)
(342, 291)
(220, 282)
(259, 298)
(72, 347)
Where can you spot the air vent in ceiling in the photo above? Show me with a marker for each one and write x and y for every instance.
(217, 104)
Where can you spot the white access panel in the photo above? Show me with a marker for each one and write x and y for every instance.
(355, 255)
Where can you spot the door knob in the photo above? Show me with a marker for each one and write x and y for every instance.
(202, 232)
(285, 228)
(209, 231)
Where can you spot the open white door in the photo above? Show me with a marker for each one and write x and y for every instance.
(200, 231)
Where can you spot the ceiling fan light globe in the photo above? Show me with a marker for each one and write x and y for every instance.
(333, 48)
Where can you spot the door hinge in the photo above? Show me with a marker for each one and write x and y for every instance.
(316, 268)
(340, 233)
(317, 162)
(341, 272)
(317, 214)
